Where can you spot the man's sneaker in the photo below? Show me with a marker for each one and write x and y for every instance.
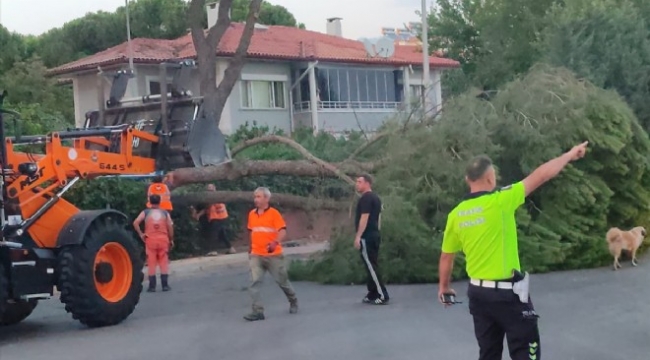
(366, 300)
(293, 307)
(380, 301)
(254, 316)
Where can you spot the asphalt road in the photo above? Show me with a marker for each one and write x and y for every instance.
(586, 315)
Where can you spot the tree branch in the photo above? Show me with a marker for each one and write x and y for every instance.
(367, 144)
(289, 142)
(245, 197)
(194, 14)
(236, 63)
(217, 31)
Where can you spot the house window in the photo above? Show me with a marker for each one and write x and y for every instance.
(354, 85)
(154, 87)
(260, 94)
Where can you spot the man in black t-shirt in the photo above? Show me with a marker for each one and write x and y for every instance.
(367, 223)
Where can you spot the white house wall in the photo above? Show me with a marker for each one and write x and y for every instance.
(85, 95)
(273, 118)
(435, 94)
(339, 122)
(235, 115)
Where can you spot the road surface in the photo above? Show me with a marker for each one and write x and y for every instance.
(585, 315)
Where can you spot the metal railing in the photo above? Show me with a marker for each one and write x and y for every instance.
(348, 105)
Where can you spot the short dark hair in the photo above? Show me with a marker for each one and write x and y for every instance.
(157, 179)
(154, 199)
(367, 178)
(477, 167)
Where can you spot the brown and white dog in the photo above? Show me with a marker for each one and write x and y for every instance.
(619, 240)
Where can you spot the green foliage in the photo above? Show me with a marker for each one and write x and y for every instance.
(494, 40)
(608, 43)
(528, 122)
(29, 89)
(13, 49)
(269, 14)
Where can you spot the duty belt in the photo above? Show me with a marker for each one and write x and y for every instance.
(492, 284)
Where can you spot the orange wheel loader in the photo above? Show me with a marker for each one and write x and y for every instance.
(92, 257)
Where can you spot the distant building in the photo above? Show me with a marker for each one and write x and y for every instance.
(408, 35)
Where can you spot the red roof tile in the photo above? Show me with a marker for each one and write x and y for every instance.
(273, 42)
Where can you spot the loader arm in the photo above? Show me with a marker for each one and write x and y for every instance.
(35, 183)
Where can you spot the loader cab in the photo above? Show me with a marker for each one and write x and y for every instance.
(188, 137)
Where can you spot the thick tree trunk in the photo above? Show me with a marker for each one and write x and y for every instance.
(283, 200)
(238, 169)
(214, 98)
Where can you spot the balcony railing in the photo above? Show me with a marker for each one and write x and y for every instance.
(348, 105)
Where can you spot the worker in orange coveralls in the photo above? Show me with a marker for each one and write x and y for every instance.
(158, 237)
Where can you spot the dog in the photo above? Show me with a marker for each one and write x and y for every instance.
(619, 240)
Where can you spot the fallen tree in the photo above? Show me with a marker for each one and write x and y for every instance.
(526, 123)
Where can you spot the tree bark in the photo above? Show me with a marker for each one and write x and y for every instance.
(238, 169)
(304, 152)
(245, 197)
(214, 98)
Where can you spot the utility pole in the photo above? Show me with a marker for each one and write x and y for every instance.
(128, 35)
(426, 78)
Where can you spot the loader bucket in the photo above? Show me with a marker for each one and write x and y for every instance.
(206, 143)
(191, 142)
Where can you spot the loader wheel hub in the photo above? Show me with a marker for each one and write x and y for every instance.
(103, 272)
(113, 272)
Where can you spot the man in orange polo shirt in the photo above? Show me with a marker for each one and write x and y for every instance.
(267, 230)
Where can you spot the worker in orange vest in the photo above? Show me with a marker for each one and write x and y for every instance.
(215, 218)
(158, 187)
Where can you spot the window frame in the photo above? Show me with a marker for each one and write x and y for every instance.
(246, 98)
(156, 79)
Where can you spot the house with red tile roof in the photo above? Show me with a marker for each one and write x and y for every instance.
(292, 77)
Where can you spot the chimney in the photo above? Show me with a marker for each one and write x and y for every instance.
(213, 13)
(334, 27)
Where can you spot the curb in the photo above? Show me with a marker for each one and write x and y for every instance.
(186, 267)
(196, 265)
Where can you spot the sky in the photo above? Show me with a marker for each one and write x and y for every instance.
(361, 18)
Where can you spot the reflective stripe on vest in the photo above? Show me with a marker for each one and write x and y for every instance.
(264, 229)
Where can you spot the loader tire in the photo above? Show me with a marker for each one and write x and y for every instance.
(100, 280)
(17, 312)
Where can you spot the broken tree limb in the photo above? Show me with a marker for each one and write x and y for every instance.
(238, 169)
(246, 197)
(367, 144)
(293, 144)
